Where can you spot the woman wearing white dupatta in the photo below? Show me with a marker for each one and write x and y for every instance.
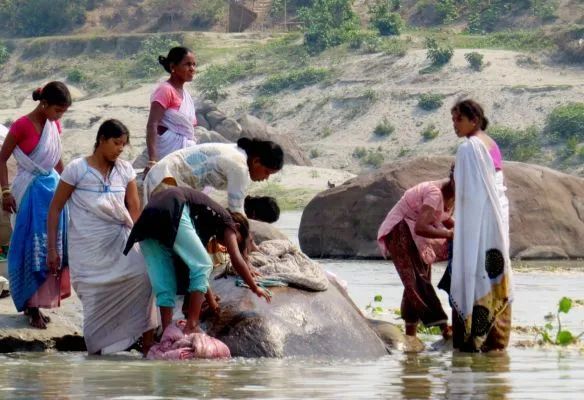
(114, 290)
(172, 119)
(481, 289)
(34, 142)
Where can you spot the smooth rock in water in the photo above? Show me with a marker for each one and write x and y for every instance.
(391, 335)
(296, 323)
(546, 209)
(263, 231)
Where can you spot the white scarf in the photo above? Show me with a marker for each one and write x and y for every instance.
(481, 226)
(41, 161)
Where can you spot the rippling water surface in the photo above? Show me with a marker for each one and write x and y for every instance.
(519, 373)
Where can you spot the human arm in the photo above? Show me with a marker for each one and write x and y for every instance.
(59, 166)
(425, 225)
(62, 194)
(8, 201)
(449, 223)
(132, 200)
(237, 182)
(240, 265)
(154, 118)
(212, 301)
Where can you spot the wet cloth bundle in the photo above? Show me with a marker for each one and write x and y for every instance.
(175, 345)
(280, 260)
(33, 189)
(481, 270)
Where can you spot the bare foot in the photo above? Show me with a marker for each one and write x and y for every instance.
(447, 333)
(35, 319)
(45, 318)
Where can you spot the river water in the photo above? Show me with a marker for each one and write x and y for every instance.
(523, 372)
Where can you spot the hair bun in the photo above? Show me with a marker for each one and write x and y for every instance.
(36, 94)
(244, 143)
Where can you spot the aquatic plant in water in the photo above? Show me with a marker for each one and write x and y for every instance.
(562, 336)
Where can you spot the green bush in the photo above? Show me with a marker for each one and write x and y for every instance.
(208, 13)
(394, 47)
(314, 153)
(294, 80)
(475, 60)
(565, 122)
(430, 132)
(386, 22)
(146, 60)
(76, 76)
(359, 152)
(4, 53)
(447, 11)
(384, 128)
(436, 54)
(327, 23)
(358, 38)
(373, 159)
(41, 17)
(430, 101)
(215, 78)
(517, 144)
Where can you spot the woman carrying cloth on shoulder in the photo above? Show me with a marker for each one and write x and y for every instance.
(172, 119)
(34, 141)
(481, 289)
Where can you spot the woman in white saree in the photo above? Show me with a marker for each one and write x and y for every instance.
(172, 115)
(114, 290)
(34, 141)
(481, 288)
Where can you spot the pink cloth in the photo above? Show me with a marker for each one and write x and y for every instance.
(496, 156)
(167, 96)
(52, 291)
(408, 208)
(175, 345)
(26, 135)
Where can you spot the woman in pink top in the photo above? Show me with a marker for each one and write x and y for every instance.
(34, 141)
(172, 115)
(414, 234)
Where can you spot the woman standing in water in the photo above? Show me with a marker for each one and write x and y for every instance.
(118, 306)
(34, 141)
(414, 235)
(481, 289)
(172, 117)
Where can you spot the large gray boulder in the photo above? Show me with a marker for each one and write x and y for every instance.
(296, 323)
(206, 136)
(546, 210)
(253, 127)
(263, 231)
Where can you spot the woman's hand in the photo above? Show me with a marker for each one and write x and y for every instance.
(53, 261)
(263, 293)
(9, 203)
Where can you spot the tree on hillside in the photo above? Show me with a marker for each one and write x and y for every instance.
(41, 17)
(328, 23)
(172, 10)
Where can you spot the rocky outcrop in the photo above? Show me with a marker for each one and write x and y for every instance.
(263, 231)
(63, 333)
(295, 323)
(546, 210)
(218, 124)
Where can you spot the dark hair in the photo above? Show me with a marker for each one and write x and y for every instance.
(175, 56)
(54, 93)
(240, 219)
(262, 208)
(270, 154)
(472, 110)
(111, 128)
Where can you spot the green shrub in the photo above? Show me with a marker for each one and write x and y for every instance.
(372, 45)
(386, 22)
(436, 54)
(208, 13)
(517, 144)
(565, 122)
(4, 53)
(475, 60)
(394, 47)
(384, 128)
(447, 11)
(358, 38)
(430, 101)
(373, 159)
(76, 76)
(327, 23)
(359, 152)
(314, 153)
(146, 60)
(294, 80)
(262, 102)
(430, 132)
(215, 78)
